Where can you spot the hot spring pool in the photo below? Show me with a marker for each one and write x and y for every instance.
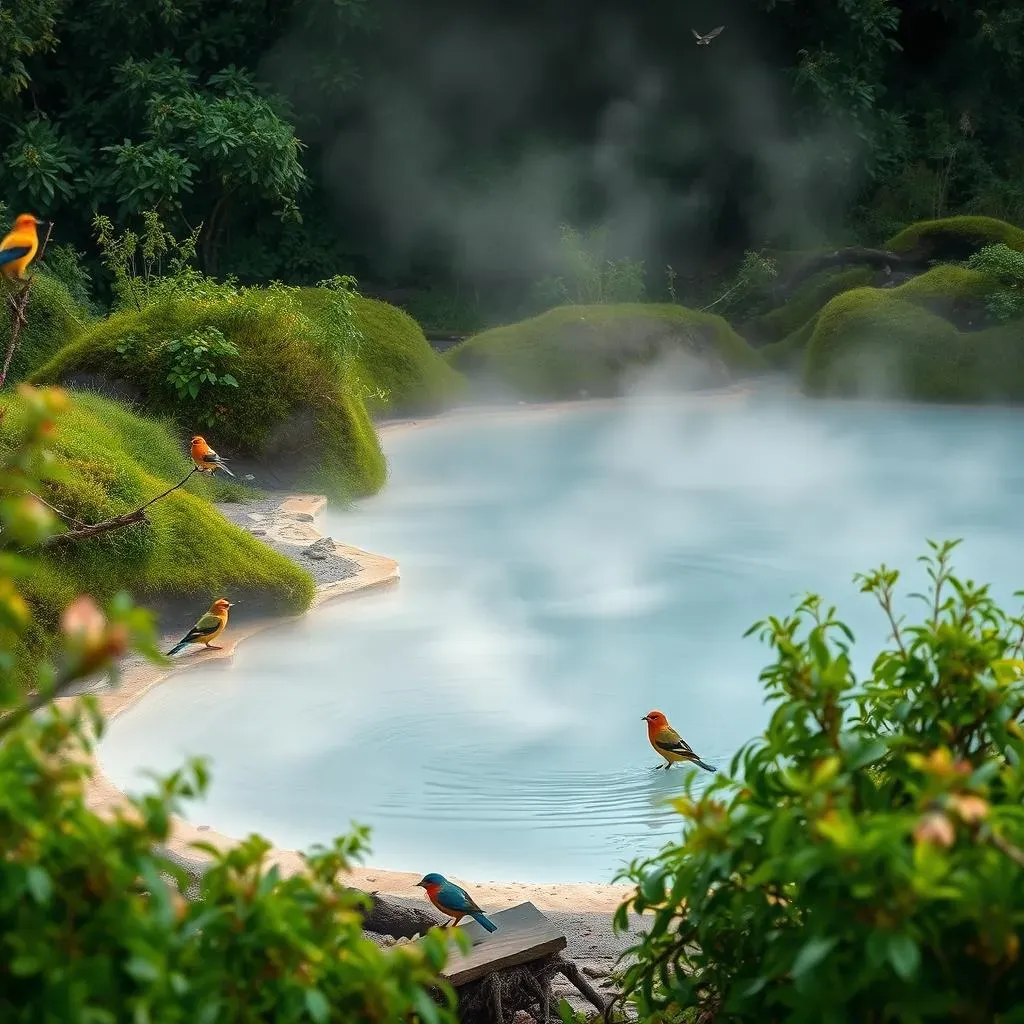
(561, 576)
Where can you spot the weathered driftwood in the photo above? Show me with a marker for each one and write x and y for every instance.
(853, 256)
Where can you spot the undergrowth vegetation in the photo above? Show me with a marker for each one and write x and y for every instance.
(865, 861)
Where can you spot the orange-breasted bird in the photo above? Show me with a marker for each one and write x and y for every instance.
(19, 247)
(667, 742)
(207, 629)
(205, 458)
(454, 901)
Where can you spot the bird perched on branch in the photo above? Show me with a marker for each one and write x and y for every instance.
(667, 742)
(205, 458)
(453, 900)
(207, 629)
(706, 40)
(19, 247)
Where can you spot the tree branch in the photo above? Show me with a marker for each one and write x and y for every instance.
(19, 318)
(94, 529)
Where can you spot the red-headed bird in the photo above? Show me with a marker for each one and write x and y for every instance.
(207, 629)
(667, 742)
(205, 458)
(453, 900)
(19, 247)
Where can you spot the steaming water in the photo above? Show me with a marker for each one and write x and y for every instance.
(561, 576)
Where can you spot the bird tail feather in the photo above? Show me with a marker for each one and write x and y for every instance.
(176, 648)
(707, 767)
(226, 470)
(484, 921)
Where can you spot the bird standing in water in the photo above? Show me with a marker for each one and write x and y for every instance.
(18, 248)
(667, 742)
(453, 900)
(207, 629)
(205, 458)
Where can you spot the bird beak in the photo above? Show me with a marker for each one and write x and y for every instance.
(645, 719)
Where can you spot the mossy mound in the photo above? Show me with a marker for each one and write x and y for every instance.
(955, 238)
(402, 373)
(114, 461)
(53, 318)
(595, 348)
(875, 343)
(952, 292)
(298, 401)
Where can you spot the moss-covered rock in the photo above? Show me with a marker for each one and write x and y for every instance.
(403, 374)
(298, 400)
(955, 238)
(870, 342)
(53, 318)
(113, 461)
(595, 348)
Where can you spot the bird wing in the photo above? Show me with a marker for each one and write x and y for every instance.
(206, 625)
(715, 32)
(14, 252)
(696, 34)
(669, 740)
(211, 456)
(455, 897)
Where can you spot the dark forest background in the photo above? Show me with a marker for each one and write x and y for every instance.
(440, 146)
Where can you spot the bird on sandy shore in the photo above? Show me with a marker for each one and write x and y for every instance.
(207, 629)
(454, 901)
(19, 246)
(205, 458)
(706, 40)
(667, 742)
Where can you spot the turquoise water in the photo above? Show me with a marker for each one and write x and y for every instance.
(561, 576)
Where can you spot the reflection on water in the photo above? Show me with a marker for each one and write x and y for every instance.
(561, 576)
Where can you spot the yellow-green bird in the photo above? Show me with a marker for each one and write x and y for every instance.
(207, 629)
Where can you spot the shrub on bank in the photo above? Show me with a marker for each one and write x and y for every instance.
(869, 865)
(596, 348)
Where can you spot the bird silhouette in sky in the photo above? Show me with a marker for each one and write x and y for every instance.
(706, 40)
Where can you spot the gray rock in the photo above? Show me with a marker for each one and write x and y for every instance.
(323, 548)
(298, 517)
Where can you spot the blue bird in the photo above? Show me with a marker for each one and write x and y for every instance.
(453, 900)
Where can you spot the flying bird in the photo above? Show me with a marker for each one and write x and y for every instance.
(667, 742)
(205, 458)
(19, 247)
(207, 629)
(453, 900)
(706, 40)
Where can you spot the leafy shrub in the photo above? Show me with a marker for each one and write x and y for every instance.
(748, 290)
(90, 927)
(65, 264)
(1005, 266)
(868, 866)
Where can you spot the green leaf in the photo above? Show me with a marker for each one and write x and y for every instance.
(142, 969)
(812, 953)
(39, 884)
(904, 955)
(316, 1005)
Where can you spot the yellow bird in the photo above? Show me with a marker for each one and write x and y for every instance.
(19, 247)
(667, 742)
(207, 629)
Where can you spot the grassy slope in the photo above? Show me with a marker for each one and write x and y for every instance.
(570, 348)
(395, 357)
(866, 336)
(287, 365)
(54, 318)
(970, 233)
(114, 461)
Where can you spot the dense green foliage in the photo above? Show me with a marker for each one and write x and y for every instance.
(596, 349)
(853, 119)
(112, 462)
(90, 927)
(869, 865)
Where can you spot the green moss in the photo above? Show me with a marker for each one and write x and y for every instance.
(955, 238)
(298, 397)
(869, 340)
(394, 359)
(53, 318)
(781, 322)
(574, 348)
(114, 461)
(787, 353)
